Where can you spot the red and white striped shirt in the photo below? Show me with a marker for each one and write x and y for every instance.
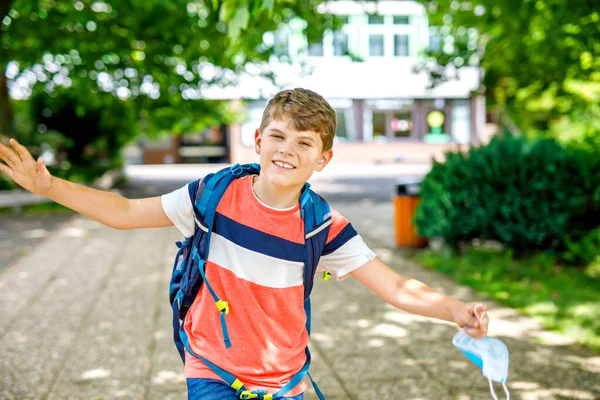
(255, 263)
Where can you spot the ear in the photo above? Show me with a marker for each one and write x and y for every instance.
(324, 160)
(257, 141)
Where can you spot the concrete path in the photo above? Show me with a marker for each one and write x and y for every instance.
(20, 233)
(85, 316)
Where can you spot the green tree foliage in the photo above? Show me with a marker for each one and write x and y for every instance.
(528, 195)
(541, 57)
(131, 64)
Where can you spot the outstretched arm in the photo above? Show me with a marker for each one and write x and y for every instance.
(107, 208)
(415, 297)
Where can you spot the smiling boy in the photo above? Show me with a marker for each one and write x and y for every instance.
(256, 214)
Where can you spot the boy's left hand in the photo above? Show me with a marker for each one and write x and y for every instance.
(465, 316)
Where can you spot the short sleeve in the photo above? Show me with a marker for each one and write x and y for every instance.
(345, 250)
(179, 209)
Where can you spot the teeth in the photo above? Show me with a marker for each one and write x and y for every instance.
(284, 165)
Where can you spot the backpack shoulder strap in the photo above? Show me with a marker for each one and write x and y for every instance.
(316, 214)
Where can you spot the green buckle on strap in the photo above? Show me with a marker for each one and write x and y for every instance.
(237, 384)
(223, 306)
(258, 394)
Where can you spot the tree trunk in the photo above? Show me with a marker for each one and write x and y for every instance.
(6, 116)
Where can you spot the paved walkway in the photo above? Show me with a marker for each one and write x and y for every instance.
(85, 316)
(21, 233)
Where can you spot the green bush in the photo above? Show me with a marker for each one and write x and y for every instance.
(583, 251)
(528, 195)
(6, 183)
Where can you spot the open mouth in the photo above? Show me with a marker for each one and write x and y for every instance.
(284, 165)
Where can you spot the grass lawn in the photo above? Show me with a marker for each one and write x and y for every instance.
(564, 299)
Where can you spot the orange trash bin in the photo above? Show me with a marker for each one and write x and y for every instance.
(405, 205)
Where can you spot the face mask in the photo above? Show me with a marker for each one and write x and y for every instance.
(489, 354)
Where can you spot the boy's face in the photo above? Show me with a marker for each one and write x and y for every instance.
(289, 157)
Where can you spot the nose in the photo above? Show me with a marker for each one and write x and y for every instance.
(285, 147)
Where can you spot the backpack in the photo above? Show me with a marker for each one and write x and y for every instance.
(188, 269)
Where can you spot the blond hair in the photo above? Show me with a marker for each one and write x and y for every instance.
(307, 110)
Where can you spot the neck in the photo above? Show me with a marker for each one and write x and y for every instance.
(273, 196)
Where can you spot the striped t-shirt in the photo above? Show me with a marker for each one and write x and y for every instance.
(255, 263)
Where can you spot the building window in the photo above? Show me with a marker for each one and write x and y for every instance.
(401, 45)
(315, 49)
(376, 19)
(340, 43)
(376, 45)
(401, 20)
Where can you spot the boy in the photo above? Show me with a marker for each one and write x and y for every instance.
(258, 213)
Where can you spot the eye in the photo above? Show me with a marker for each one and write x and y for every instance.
(305, 144)
(277, 136)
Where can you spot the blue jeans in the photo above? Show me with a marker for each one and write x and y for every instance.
(211, 389)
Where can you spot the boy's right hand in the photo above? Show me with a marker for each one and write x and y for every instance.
(108, 208)
(28, 173)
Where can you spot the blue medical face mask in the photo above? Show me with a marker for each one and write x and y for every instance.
(489, 354)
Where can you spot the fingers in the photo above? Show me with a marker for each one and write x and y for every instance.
(21, 150)
(9, 156)
(476, 333)
(474, 320)
(7, 170)
(484, 324)
(477, 310)
(40, 165)
(478, 327)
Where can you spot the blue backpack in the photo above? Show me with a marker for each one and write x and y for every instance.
(190, 262)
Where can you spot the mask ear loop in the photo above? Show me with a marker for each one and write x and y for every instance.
(506, 391)
(493, 392)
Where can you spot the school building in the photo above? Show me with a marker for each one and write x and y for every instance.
(386, 109)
